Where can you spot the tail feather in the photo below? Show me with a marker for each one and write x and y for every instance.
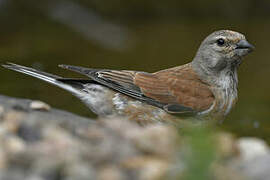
(20, 68)
(91, 93)
(50, 78)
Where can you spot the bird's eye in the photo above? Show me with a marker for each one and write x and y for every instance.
(220, 42)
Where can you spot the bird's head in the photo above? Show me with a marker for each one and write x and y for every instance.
(223, 49)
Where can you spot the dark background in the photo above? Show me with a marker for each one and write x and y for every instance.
(133, 34)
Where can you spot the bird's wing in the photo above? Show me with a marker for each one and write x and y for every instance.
(160, 89)
(121, 81)
(176, 86)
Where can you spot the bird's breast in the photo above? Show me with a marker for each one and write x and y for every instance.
(225, 94)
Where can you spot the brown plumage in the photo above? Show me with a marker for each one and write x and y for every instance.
(206, 86)
(179, 85)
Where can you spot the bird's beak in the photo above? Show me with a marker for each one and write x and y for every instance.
(244, 44)
(243, 47)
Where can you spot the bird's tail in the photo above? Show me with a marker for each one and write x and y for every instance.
(50, 78)
(91, 93)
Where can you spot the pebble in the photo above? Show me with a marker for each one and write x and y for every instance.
(39, 105)
(251, 148)
(1, 110)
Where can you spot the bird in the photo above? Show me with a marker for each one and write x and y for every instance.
(205, 87)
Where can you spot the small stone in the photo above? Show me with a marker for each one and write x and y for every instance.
(1, 110)
(251, 148)
(14, 144)
(155, 139)
(34, 177)
(154, 169)
(79, 170)
(110, 172)
(3, 159)
(29, 132)
(12, 120)
(148, 167)
(226, 146)
(39, 105)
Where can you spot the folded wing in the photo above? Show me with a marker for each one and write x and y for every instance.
(176, 90)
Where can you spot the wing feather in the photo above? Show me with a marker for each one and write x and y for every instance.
(176, 90)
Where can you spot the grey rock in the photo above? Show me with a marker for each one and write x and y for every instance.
(54, 144)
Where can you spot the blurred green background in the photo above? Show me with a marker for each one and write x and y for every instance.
(144, 35)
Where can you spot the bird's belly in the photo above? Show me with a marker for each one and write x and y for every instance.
(106, 102)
